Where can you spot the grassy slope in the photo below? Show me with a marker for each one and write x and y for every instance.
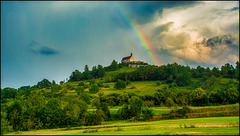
(203, 126)
(142, 87)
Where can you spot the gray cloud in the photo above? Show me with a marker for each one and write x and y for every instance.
(37, 48)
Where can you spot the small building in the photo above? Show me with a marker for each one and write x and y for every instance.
(127, 59)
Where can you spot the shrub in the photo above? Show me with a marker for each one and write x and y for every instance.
(147, 113)
(86, 86)
(158, 83)
(120, 84)
(169, 102)
(148, 103)
(128, 82)
(185, 110)
(100, 84)
(79, 89)
(94, 89)
(106, 86)
(133, 87)
(81, 84)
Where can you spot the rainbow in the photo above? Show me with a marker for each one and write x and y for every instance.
(142, 39)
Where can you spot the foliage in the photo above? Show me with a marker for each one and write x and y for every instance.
(114, 65)
(169, 102)
(100, 84)
(120, 84)
(184, 79)
(43, 84)
(5, 127)
(76, 76)
(81, 84)
(199, 97)
(147, 113)
(79, 90)
(94, 89)
(158, 83)
(135, 105)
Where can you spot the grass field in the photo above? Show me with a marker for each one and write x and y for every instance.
(196, 126)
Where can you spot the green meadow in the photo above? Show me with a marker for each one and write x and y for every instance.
(194, 126)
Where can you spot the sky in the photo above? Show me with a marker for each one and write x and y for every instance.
(43, 39)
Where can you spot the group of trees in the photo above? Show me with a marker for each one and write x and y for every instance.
(97, 72)
(179, 74)
(37, 111)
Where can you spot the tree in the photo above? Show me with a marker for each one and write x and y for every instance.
(76, 76)
(169, 102)
(5, 127)
(56, 88)
(120, 84)
(85, 97)
(14, 113)
(100, 84)
(94, 89)
(170, 79)
(75, 111)
(199, 97)
(124, 112)
(86, 72)
(147, 113)
(44, 83)
(123, 98)
(158, 83)
(94, 118)
(79, 90)
(100, 71)
(227, 70)
(8, 93)
(135, 105)
(114, 65)
(184, 79)
(159, 98)
(53, 83)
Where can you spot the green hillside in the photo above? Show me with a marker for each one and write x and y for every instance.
(118, 93)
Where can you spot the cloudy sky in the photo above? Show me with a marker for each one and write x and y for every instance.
(51, 39)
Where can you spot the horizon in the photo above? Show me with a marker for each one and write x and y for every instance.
(42, 39)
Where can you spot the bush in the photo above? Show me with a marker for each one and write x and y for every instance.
(147, 113)
(79, 89)
(81, 84)
(173, 85)
(106, 86)
(158, 83)
(100, 84)
(185, 110)
(133, 87)
(128, 82)
(94, 89)
(120, 84)
(86, 86)
(148, 103)
(169, 102)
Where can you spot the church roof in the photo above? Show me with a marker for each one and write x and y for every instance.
(128, 57)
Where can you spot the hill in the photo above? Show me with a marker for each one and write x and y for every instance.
(147, 93)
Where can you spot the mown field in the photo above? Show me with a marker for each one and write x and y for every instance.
(194, 126)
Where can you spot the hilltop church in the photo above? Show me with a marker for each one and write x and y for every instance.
(132, 63)
(128, 59)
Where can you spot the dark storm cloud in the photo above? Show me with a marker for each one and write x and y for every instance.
(144, 11)
(235, 8)
(37, 48)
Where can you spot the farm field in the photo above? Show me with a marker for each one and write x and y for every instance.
(194, 126)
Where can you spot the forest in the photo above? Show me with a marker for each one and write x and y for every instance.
(50, 105)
